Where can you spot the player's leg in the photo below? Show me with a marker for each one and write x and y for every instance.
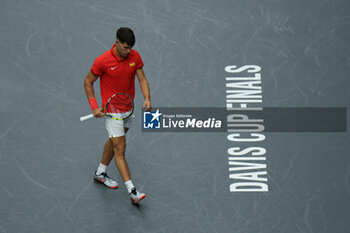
(119, 145)
(116, 132)
(108, 153)
(101, 175)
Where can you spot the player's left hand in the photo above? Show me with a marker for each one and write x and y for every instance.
(147, 105)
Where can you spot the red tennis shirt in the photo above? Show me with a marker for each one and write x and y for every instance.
(116, 74)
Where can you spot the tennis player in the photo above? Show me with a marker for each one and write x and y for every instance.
(116, 69)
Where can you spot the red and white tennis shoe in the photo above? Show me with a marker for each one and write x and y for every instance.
(104, 179)
(136, 196)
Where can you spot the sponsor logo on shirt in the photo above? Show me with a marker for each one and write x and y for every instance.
(131, 64)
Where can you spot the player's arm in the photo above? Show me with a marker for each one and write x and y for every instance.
(90, 94)
(144, 89)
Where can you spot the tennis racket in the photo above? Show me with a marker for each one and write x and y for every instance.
(119, 106)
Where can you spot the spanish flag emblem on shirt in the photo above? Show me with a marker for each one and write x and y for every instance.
(132, 64)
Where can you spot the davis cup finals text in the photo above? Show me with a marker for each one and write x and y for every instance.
(247, 166)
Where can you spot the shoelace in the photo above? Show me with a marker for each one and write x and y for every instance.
(133, 191)
(104, 174)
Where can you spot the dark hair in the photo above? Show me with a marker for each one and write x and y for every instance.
(126, 35)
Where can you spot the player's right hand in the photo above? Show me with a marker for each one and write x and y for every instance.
(97, 112)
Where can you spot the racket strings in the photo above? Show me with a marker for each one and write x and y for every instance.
(119, 104)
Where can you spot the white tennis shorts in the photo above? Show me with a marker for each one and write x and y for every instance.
(115, 128)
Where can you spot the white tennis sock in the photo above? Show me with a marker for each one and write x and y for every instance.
(101, 168)
(129, 185)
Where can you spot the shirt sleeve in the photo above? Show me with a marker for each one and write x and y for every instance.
(139, 62)
(98, 67)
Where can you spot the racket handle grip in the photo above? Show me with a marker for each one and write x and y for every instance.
(83, 118)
